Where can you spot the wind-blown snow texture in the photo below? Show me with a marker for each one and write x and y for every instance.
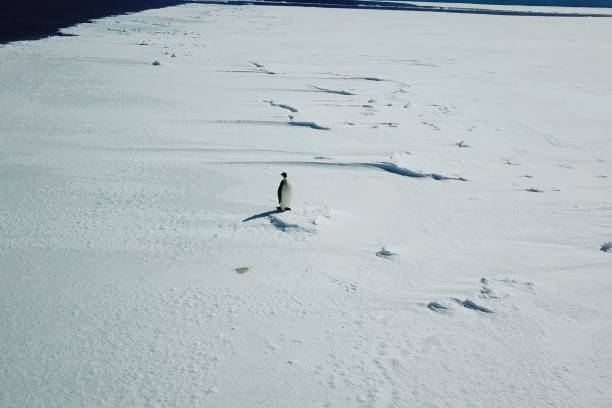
(131, 195)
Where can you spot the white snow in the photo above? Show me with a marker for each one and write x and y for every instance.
(132, 194)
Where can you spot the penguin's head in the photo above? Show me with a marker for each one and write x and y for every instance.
(284, 174)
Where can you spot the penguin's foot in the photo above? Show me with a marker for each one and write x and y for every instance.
(283, 209)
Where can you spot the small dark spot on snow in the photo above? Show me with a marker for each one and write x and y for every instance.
(156, 62)
(385, 253)
(437, 307)
(242, 270)
(471, 305)
(534, 190)
(311, 125)
(606, 247)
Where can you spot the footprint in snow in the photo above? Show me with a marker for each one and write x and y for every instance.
(486, 290)
(502, 288)
(303, 221)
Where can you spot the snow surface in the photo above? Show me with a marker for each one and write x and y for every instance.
(133, 197)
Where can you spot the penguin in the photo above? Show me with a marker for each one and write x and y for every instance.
(284, 194)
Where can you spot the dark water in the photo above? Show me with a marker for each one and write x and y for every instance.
(21, 20)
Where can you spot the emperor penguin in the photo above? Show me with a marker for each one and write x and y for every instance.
(284, 194)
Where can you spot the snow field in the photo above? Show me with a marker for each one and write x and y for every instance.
(414, 269)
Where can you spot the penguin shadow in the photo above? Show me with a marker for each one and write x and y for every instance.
(262, 215)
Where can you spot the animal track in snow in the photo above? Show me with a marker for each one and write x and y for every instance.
(311, 125)
(386, 166)
(486, 290)
(390, 124)
(431, 125)
(489, 288)
(332, 91)
(262, 69)
(282, 105)
(525, 285)
(442, 108)
(471, 305)
(347, 286)
(366, 78)
(509, 162)
(395, 169)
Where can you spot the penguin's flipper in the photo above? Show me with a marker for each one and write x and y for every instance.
(279, 192)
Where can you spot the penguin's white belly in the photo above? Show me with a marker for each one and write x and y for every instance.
(285, 201)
